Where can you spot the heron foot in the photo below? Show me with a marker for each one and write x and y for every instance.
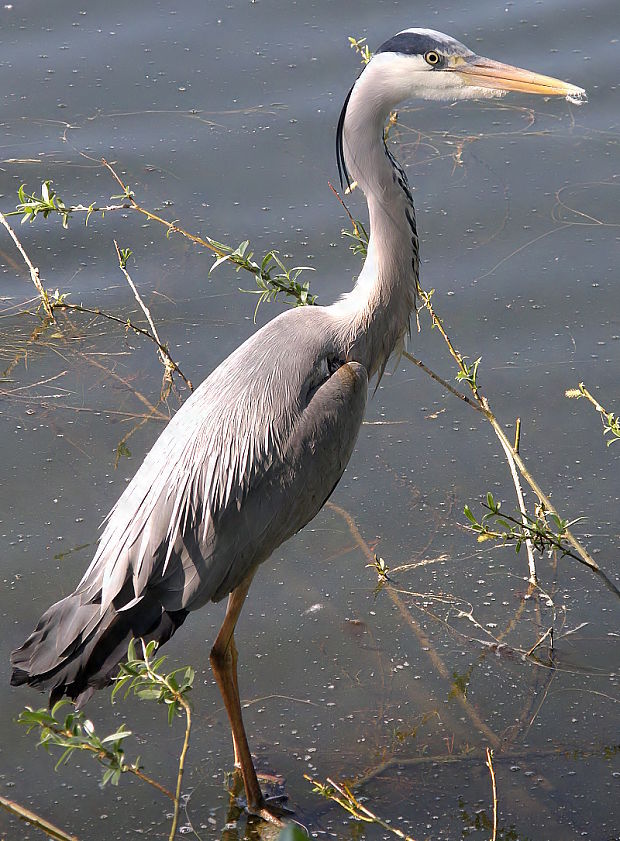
(271, 811)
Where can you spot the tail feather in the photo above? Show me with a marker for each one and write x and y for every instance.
(74, 650)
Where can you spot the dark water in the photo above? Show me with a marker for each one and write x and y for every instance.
(222, 115)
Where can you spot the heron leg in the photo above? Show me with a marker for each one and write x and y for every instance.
(223, 660)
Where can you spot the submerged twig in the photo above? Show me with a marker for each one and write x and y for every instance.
(425, 642)
(342, 795)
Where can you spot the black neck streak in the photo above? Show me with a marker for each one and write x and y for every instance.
(400, 177)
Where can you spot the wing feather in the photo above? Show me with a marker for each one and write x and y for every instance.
(217, 492)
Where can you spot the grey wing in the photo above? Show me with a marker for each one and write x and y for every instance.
(299, 482)
(219, 492)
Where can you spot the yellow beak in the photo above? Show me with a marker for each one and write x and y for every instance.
(486, 73)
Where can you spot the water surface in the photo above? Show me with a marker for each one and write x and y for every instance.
(222, 115)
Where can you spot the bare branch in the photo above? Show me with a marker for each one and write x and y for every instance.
(34, 272)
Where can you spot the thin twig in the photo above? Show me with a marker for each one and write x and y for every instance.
(35, 820)
(489, 764)
(269, 286)
(583, 555)
(172, 227)
(65, 305)
(145, 778)
(344, 797)
(169, 364)
(466, 757)
(444, 383)
(610, 421)
(548, 632)
(181, 768)
(34, 272)
(184, 703)
(515, 478)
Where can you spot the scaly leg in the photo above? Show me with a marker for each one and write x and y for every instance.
(224, 665)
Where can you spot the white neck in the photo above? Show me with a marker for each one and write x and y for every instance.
(376, 312)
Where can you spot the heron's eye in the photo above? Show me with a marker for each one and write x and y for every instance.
(432, 58)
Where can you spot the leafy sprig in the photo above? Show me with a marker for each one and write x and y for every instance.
(341, 794)
(74, 732)
(143, 678)
(359, 237)
(611, 421)
(469, 373)
(499, 526)
(361, 48)
(31, 205)
(273, 277)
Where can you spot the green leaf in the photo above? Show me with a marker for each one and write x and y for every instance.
(58, 706)
(149, 694)
(219, 262)
(131, 650)
(116, 737)
(491, 502)
(64, 758)
(107, 776)
(469, 514)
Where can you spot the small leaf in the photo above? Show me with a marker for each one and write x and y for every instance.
(148, 694)
(108, 774)
(116, 737)
(469, 514)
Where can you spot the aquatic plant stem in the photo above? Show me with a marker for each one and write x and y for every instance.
(165, 358)
(515, 479)
(179, 698)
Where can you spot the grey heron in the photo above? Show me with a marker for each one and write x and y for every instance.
(257, 449)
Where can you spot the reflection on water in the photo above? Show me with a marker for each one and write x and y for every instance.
(223, 116)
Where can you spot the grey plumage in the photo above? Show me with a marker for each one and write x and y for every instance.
(254, 453)
(246, 462)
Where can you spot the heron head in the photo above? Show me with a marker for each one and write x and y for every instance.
(430, 65)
